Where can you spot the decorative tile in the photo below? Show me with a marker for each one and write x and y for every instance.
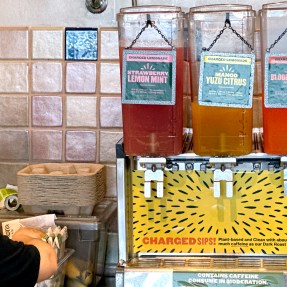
(186, 79)
(109, 45)
(111, 112)
(257, 44)
(14, 145)
(108, 142)
(111, 182)
(47, 111)
(187, 112)
(81, 146)
(110, 78)
(47, 77)
(46, 145)
(8, 173)
(13, 78)
(14, 44)
(81, 77)
(257, 87)
(14, 111)
(257, 112)
(81, 43)
(47, 44)
(76, 106)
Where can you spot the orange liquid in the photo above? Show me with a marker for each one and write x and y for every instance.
(275, 130)
(155, 130)
(219, 131)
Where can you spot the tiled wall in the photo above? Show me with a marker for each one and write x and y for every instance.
(58, 110)
(53, 109)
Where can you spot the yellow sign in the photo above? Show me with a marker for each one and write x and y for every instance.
(189, 219)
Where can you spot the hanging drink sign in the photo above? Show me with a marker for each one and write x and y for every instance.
(226, 79)
(148, 77)
(275, 87)
(275, 74)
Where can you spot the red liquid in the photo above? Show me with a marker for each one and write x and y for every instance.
(155, 130)
(275, 130)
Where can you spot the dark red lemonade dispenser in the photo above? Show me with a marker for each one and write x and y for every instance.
(151, 43)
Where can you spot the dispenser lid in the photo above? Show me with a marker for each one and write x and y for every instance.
(150, 9)
(275, 6)
(220, 8)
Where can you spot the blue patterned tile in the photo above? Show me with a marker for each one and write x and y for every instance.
(81, 44)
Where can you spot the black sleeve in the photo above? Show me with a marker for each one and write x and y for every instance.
(19, 263)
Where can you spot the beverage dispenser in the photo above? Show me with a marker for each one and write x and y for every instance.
(274, 67)
(151, 45)
(221, 60)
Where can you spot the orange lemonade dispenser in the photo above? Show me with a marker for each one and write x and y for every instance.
(274, 67)
(221, 60)
(151, 44)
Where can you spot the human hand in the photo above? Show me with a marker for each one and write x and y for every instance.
(29, 232)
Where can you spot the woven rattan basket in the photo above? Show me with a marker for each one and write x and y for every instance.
(63, 188)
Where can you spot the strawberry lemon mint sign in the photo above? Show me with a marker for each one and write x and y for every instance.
(226, 80)
(148, 77)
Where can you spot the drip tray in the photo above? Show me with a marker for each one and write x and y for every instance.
(267, 263)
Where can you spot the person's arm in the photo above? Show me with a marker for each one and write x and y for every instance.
(48, 261)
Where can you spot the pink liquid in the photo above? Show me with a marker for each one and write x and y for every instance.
(155, 130)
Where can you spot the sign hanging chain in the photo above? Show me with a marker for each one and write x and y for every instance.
(276, 41)
(150, 23)
(227, 25)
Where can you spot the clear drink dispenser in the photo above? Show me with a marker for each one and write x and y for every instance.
(151, 44)
(221, 60)
(274, 67)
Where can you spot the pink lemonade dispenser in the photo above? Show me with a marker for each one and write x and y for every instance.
(151, 45)
(274, 67)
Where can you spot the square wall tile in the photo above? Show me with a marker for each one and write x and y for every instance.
(8, 173)
(81, 146)
(257, 88)
(111, 112)
(14, 145)
(47, 44)
(109, 45)
(257, 112)
(14, 111)
(47, 111)
(81, 43)
(111, 176)
(81, 77)
(47, 77)
(13, 44)
(187, 112)
(186, 79)
(13, 78)
(46, 145)
(110, 78)
(108, 142)
(79, 105)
